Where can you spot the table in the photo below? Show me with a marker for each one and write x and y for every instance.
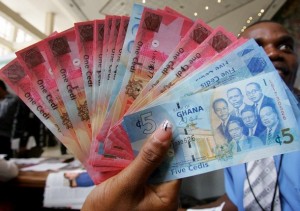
(30, 179)
(25, 192)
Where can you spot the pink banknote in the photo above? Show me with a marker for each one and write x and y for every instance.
(84, 38)
(151, 48)
(35, 64)
(193, 38)
(114, 89)
(15, 76)
(215, 43)
(116, 76)
(64, 59)
(110, 34)
(97, 68)
(99, 105)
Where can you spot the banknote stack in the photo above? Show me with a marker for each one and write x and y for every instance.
(104, 86)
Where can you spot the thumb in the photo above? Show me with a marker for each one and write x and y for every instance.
(150, 156)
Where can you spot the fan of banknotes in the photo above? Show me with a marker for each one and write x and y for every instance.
(104, 86)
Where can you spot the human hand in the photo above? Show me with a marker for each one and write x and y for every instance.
(71, 177)
(129, 190)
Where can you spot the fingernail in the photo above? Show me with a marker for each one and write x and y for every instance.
(163, 133)
(166, 124)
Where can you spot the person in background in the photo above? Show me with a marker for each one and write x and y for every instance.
(9, 106)
(29, 125)
(17, 121)
(8, 171)
(241, 193)
(129, 189)
(79, 179)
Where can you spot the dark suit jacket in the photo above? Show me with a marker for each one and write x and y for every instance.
(267, 101)
(234, 113)
(225, 133)
(263, 135)
(257, 131)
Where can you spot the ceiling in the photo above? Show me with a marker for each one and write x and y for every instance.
(232, 14)
(41, 18)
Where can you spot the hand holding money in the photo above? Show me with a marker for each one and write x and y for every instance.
(117, 193)
(103, 86)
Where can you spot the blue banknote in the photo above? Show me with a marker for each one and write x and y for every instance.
(245, 61)
(207, 135)
(133, 26)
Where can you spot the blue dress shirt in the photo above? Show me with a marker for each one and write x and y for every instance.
(289, 182)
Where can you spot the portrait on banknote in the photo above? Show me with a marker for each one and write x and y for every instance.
(245, 117)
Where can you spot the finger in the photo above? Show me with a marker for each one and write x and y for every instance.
(168, 193)
(150, 155)
(168, 189)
